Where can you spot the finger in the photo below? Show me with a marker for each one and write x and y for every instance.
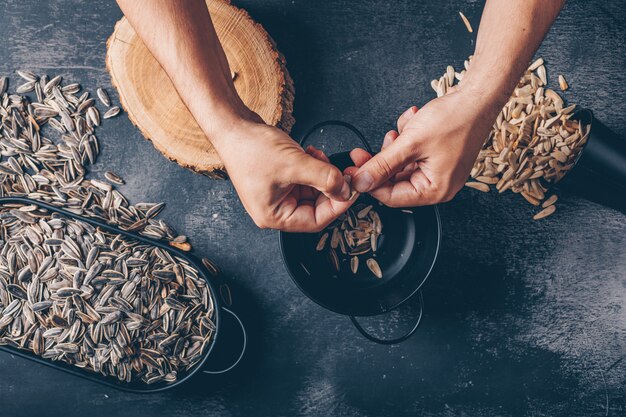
(383, 166)
(415, 191)
(309, 193)
(302, 192)
(360, 156)
(404, 117)
(320, 175)
(317, 153)
(298, 217)
(389, 138)
(350, 171)
(406, 172)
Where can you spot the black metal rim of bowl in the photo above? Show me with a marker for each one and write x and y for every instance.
(135, 386)
(287, 261)
(379, 307)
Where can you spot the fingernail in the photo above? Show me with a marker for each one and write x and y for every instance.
(347, 178)
(363, 182)
(345, 190)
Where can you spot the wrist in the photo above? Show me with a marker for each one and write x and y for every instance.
(225, 121)
(489, 84)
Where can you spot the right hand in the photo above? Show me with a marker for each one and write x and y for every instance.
(280, 185)
(428, 159)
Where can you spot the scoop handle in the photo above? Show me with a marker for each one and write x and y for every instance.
(600, 173)
(605, 154)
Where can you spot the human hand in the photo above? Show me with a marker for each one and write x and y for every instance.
(280, 185)
(428, 159)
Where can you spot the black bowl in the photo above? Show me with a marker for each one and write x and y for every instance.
(407, 252)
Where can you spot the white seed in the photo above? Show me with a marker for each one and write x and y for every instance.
(541, 72)
(466, 22)
(104, 96)
(112, 112)
(354, 264)
(374, 267)
(322, 242)
(550, 201)
(545, 212)
(478, 186)
(536, 64)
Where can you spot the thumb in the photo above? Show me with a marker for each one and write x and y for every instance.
(322, 176)
(383, 166)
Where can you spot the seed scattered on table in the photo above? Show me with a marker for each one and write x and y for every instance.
(93, 116)
(103, 96)
(478, 186)
(112, 112)
(545, 212)
(37, 167)
(563, 83)
(113, 177)
(550, 201)
(51, 165)
(466, 22)
(27, 75)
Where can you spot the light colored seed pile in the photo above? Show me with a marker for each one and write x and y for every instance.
(355, 234)
(533, 143)
(74, 293)
(34, 165)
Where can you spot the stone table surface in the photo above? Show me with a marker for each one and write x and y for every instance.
(522, 317)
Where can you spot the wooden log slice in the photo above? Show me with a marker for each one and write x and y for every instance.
(153, 105)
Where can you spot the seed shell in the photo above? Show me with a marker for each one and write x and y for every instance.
(112, 112)
(354, 264)
(466, 22)
(545, 212)
(103, 96)
(374, 267)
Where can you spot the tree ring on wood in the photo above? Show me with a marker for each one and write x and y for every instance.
(154, 106)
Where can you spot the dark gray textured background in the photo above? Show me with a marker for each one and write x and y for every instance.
(522, 317)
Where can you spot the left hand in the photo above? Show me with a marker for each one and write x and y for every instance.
(428, 159)
(281, 185)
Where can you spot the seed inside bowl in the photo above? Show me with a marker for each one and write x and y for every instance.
(353, 235)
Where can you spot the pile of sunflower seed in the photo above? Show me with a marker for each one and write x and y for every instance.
(99, 301)
(356, 234)
(533, 143)
(47, 141)
(35, 166)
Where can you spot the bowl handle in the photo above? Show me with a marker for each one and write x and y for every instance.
(347, 125)
(396, 340)
(243, 346)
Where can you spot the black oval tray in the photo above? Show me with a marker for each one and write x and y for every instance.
(133, 386)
